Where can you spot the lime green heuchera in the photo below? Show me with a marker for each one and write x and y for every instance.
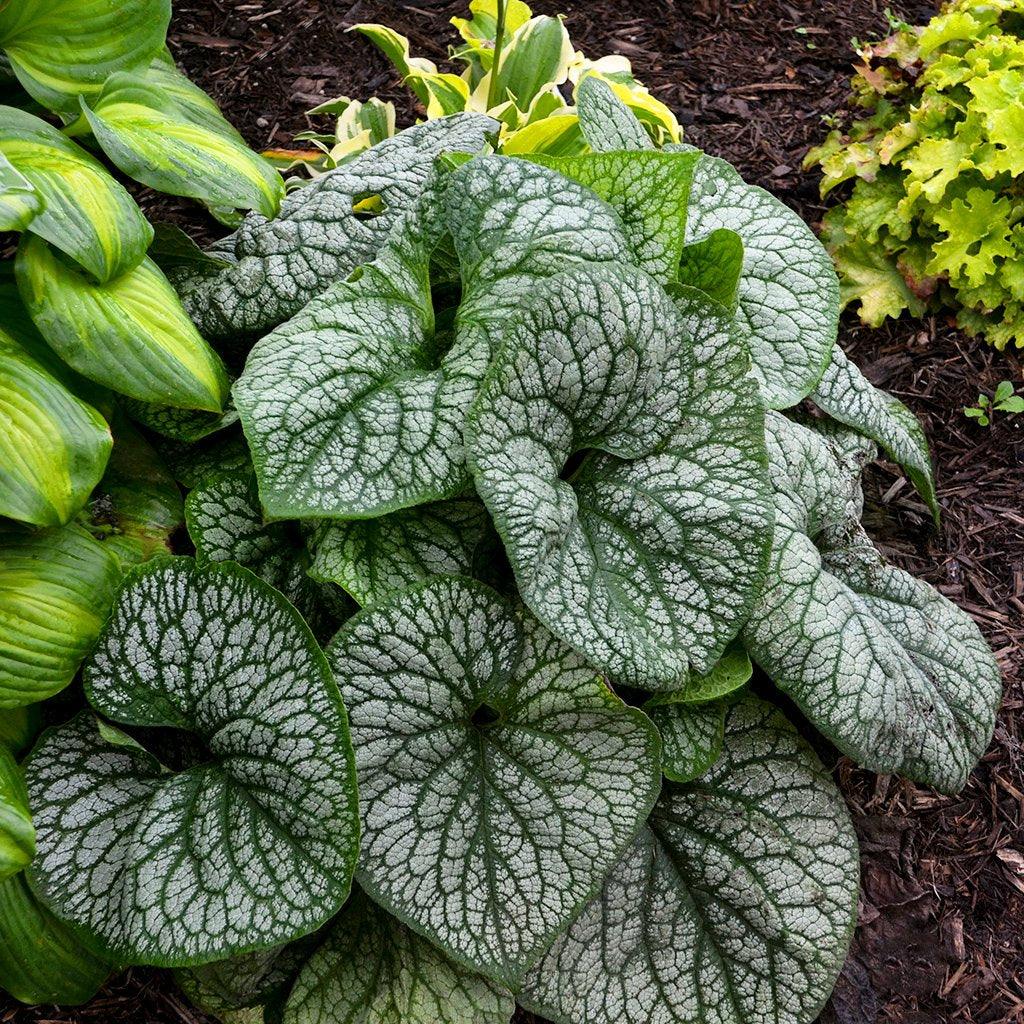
(937, 159)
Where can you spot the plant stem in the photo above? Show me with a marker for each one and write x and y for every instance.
(499, 43)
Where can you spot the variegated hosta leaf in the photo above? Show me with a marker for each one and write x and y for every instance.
(536, 57)
(84, 211)
(648, 191)
(63, 49)
(608, 124)
(735, 906)
(56, 588)
(251, 845)
(848, 396)
(144, 133)
(349, 408)
(691, 737)
(499, 777)
(647, 558)
(20, 202)
(371, 558)
(17, 836)
(130, 335)
(226, 523)
(373, 969)
(891, 671)
(319, 237)
(53, 446)
(41, 959)
(788, 295)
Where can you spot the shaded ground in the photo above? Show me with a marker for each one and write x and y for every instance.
(941, 935)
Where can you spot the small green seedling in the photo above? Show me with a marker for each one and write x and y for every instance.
(1004, 400)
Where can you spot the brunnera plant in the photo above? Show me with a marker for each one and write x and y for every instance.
(536, 417)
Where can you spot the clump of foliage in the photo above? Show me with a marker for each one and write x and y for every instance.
(536, 416)
(936, 157)
(1003, 400)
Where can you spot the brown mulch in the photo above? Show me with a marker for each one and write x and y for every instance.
(941, 932)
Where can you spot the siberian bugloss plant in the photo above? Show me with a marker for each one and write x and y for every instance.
(536, 417)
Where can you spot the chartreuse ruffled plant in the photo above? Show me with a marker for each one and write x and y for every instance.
(935, 155)
(535, 416)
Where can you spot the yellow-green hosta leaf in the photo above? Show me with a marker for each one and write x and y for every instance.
(56, 588)
(41, 959)
(396, 48)
(371, 968)
(250, 839)
(474, 713)
(480, 28)
(53, 447)
(19, 199)
(143, 131)
(84, 211)
(536, 56)
(17, 836)
(63, 49)
(735, 904)
(558, 135)
(131, 335)
(446, 93)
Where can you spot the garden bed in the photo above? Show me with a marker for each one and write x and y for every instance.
(940, 937)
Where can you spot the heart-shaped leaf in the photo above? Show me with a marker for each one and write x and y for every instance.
(41, 960)
(145, 134)
(608, 124)
(370, 967)
(499, 777)
(63, 49)
(736, 904)
(647, 555)
(56, 588)
(320, 236)
(252, 841)
(84, 211)
(891, 671)
(788, 294)
(17, 836)
(848, 396)
(130, 335)
(370, 558)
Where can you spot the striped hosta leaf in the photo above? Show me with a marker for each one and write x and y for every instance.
(646, 556)
(84, 211)
(252, 841)
(53, 447)
(17, 836)
(373, 969)
(788, 294)
(20, 202)
(370, 558)
(848, 396)
(499, 777)
(226, 523)
(130, 335)
(41, 959)
(736, 904)
(144, 133)
(319, 236)
(63, 49)
(56, 588)
(892, 672)
(608, 124)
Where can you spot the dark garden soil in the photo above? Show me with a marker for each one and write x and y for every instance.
(941, 932)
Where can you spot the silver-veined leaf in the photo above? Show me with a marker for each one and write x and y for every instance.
(848, 396)
(648, 557)
(130, 335)
(56, 588)
(253, 841)
(370, 558)
(608, 124)
(17, 836)
(322, 233)
(84, 212)
(788, 293)
(41, 960)
(373, 969)
(691, 737)
(736, 904)
(145, 134)
(897, 676)
(499, 776)
(63, 49)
